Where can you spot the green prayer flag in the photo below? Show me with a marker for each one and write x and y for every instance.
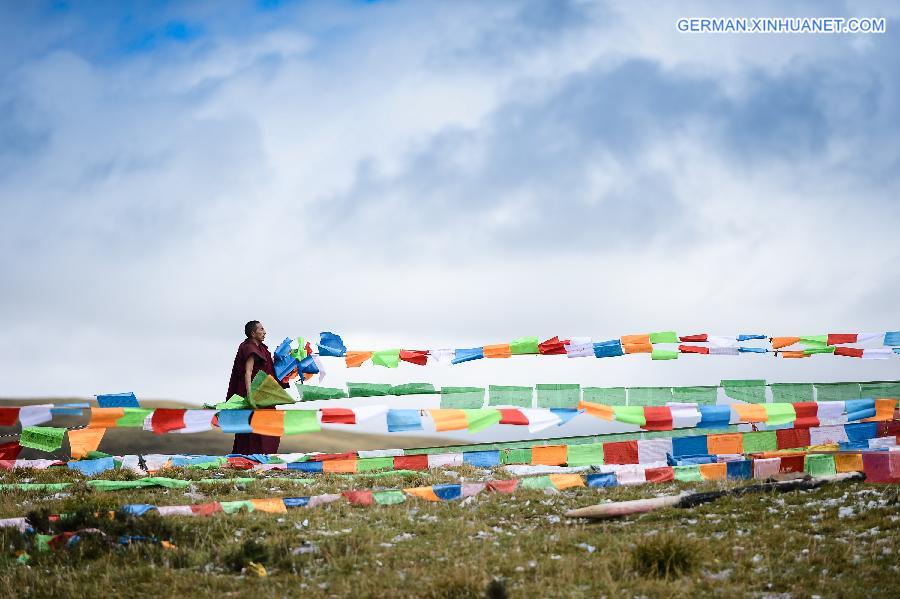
(536, 482)
(524, 345)
(503, 395)
(413, 389)
(481, 419)
(758, 442)
(45, 438)
(885, 390)
(837, 391)
(558, 396)
(700, 395)
(688, 474)
(516, 456)
(611, 396)
(630, 415)
(266, 392)
(649, 396)
(232, 507)
(664, 337)
(389, 358)
(368, 389)
(792, 392)
(462, 397)
(828, 349)
(750, 391)
(372, 464)
(814, 340)
(313, 393)
(779, 413)
(301, 421)
(819, 464)
(389, 497)
(133, 417)
(585, 454)
(42, 542)
(664, 354)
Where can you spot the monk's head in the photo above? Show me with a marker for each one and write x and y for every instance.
(255, 330)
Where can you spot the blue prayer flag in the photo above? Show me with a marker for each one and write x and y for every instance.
(404, 420)
(118, 400)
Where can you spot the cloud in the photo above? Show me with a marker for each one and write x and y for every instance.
(430, 174)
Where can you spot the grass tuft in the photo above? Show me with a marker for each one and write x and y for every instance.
(664, 556)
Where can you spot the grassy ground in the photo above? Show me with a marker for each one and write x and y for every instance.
(838, 541)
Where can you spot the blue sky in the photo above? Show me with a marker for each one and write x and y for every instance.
(436, 174)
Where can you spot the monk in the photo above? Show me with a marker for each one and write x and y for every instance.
(252, 356)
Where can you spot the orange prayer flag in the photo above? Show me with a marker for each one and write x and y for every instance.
(272, 505)
(750, 412)
(848, 462)
(342, 466)
(426, 493)
(635, 339)
(500, 350)
(793, 354)
(637, 348)
(717, 471)
(597, 410)
(356, 358)
(884, 410)
(268, 422)
(548, 455)
(566, 481)
(105, 417)
(85, 440)
(727, 443)
(449, 420)
(779, 342)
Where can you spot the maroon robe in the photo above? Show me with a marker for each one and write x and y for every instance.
(249, 443)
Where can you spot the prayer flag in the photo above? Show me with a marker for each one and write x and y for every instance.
(501, 350)
(45, 438)
(448, 420)
(404, 420)
(354, 359)
(663, 337)
(118, 400)
(300, 421)
(467, 355)
(553, 346)
(414, 356)
(608, 349)
(700, 338)
(389, 358)
(235, 421)
(524, 345)
(164, 420)
(331, 345)
(107, 417)
(480, 419)
(84, 441)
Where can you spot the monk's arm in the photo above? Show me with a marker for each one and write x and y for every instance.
(248, 373)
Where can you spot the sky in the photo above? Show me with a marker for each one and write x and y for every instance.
(437, 174)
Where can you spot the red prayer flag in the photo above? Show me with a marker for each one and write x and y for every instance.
(659, 418)
(411, 462)
(701, 338)
(512, 416)
(165, 420)
(414, 356)
(553, 346)
(206, 509)
(10, 451)
(852, 352)
(693, 349)
(838, 338)
(9, 416)
(338, 416)
(503, 486)
(792, 463)
(660, 475)
(359, 497)
(788, 438)
(240, 463)
(620, 452)
(807, 414)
